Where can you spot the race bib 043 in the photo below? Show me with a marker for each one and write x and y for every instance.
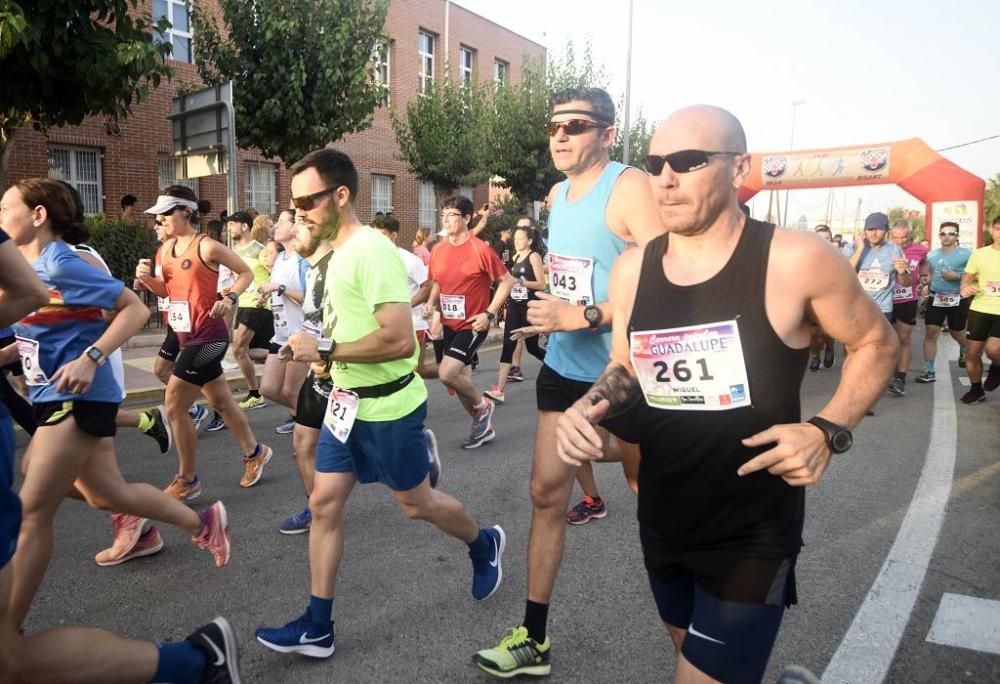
(572, 278)
(695, 368)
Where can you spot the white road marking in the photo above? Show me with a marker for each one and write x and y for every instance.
(964, 381)
(967, 622)
(870, 644)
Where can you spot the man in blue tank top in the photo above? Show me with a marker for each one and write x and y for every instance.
(711, 330)
(599, 209)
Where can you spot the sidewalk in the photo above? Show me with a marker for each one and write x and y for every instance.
(140, 352)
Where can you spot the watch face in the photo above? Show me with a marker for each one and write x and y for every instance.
(592, 314)
(841, 441)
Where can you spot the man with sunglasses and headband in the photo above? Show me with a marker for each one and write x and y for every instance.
(601, 208)
(711, 331)
(373, 427)
(946, 265)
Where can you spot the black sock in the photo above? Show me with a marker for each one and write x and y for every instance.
(901, 375)
(536, 615)
(438, 350)
(977, 386)
(253, 393)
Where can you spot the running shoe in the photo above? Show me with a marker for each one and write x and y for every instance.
(286, 428)
(252, 402)
(182, 490)
(487, 570)
(495, 393)
(515, 374)
(198, 415)
(898, 387)
(216, 424)
(587, 510)
(829, 357)
(813, 364)
(298, 523)
(228, 365)
(517, 654)
(301, 636)
(482, 427)
(927, 378)
(218, 642)
(432, 456)
(961, 359)
(975, 395)
(160, 429)
(214, 533)
(253, 466)
(126, 532)
(149, 543)
(992, 380)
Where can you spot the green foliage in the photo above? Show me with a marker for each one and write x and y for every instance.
(641, 131)
(506, 213)
(442, 136)
(991, 207)
(121, 244)
(64, 61)
(916, 219)
(303, 70)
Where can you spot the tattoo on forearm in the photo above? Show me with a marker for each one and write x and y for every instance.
(620, 387)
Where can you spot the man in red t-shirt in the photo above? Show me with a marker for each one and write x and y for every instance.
(463, 269)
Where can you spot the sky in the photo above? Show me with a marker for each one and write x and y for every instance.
(867, 72)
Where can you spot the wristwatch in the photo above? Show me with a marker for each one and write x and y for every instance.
(95, 355)
(838, 438)
(594, 316)
(233, 297)
(281, 290)
(326, 347)
(491, 316)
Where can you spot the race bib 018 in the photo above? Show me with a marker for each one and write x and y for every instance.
(572, 278)
(694, 368)
(453, 307)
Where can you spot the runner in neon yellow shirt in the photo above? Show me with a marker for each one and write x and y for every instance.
(982, 282)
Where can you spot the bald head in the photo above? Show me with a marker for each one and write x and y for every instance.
(699, 127)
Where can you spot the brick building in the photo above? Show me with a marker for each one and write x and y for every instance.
(105, 160)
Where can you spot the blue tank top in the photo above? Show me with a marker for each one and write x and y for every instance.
(580, 231)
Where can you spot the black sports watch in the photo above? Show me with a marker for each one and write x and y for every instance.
(326, 347)
(490, 316)
(838, 438)
(281, 290)
(233, 297)
(594, 316)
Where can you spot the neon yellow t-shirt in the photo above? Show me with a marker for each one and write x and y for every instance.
(364, 272)
(251, 257)
(985, 262)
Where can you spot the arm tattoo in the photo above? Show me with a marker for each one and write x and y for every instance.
(619, 386)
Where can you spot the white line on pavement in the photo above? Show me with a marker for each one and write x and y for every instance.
(870, 644)
(967, 622)
(964, 380)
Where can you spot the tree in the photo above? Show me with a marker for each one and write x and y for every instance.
(442, 136)
(303, 70)
(991, 206)
(916, 219)
(519, 143)
(64, 61)
(641, 131)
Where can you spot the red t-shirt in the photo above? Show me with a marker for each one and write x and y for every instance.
(464, 274)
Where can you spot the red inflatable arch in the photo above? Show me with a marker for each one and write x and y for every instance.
(949, 192)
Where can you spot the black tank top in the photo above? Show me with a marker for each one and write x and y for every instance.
(520, 269)
(690, 496)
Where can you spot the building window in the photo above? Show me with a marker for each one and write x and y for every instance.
(179, 34)
(381, 194)
(380, 56)
(466, 191)
(466, 63)
(501, 71)
(81, 168)
(428, 211)
(259, 190)
(425, 50)
(168, 175)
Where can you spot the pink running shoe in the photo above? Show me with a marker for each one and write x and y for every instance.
(215, 533)
(127, 533)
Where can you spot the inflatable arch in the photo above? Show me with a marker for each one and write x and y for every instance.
(949, 192)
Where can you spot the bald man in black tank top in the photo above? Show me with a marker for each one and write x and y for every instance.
(711, 331)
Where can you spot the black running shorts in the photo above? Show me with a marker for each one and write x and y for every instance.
(982, 326)
(462, 344)
(171, 346)
(200, 364)
(94, 418)
(311, 406)
(957, 316)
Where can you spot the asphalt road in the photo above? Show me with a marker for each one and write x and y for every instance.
(403, 609)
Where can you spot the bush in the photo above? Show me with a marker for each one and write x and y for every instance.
(121, 244)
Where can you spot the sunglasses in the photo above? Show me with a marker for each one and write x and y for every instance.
(573, 126)
(308, 202)
(948, 233)
(684, 161)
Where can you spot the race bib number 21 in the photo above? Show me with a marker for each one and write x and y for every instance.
(694, 368)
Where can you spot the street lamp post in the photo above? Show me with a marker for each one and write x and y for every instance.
(791, 146)
(628, 89)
